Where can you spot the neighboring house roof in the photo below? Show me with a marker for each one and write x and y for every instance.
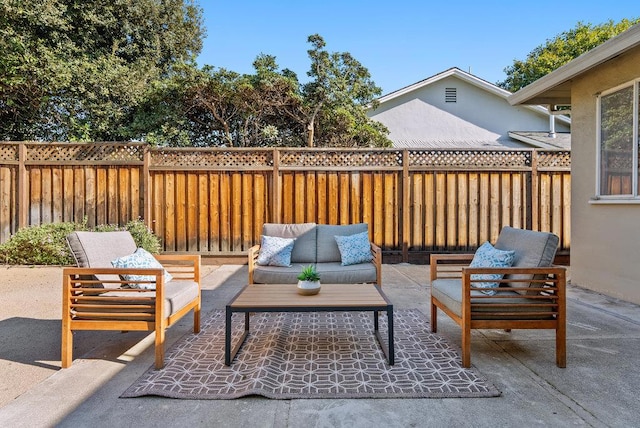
(555, 87)
(562, 140)
(467, 77)
(455, 109)
(458, 144)
(453, 71)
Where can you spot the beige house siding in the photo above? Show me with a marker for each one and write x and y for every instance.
(605, 241)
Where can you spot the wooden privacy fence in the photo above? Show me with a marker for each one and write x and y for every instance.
(214, 201)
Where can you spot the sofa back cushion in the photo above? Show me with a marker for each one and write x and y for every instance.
(532, 249)
(304, 247)
(328, 250)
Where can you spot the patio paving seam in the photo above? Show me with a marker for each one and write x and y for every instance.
(539, 380)
(603, 310)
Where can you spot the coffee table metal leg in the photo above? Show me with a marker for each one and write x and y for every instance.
(391, 355)
(227, 337)
(387, 350)
(230, 354)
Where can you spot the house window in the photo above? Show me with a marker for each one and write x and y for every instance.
(618, 142)
(450, 95)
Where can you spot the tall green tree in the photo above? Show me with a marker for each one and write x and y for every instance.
(335, 100)
(77, 71)
(269, 107)
(560, 50)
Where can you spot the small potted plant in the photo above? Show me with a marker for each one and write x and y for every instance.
(309, 281)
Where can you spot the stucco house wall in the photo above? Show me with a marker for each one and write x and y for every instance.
(480, 114)
(605, 231)
(605, 241)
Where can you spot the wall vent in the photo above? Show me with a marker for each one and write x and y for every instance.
(450, 95)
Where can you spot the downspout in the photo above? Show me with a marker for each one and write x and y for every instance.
(552, 123)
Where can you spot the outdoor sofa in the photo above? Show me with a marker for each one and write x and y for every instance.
(356, 260)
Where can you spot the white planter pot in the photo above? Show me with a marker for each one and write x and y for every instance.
(308, 288)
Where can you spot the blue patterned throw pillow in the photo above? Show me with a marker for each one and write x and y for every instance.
(355, 248)
(275, 251)
(488, 256)
(140, 259)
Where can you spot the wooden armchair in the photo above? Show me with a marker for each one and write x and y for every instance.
(531, 295)
(96, 297)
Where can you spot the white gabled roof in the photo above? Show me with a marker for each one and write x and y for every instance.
(469, 78)
(555, 87)
(454, 71)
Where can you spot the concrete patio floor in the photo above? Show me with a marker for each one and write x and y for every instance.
(599, 387)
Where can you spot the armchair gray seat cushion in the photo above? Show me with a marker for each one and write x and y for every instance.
(98, 249)
(449, 292)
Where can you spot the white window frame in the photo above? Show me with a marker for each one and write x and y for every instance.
(635, 191)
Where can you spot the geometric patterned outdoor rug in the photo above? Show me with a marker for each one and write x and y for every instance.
(314, 355)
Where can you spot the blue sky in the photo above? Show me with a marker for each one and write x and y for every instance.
(400, 42)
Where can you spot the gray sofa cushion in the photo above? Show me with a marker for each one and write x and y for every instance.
(330, 273)
(449, 292)
(276, 274)
(533, 249)
(335, 273)
(304, 247)
(98, 249)
(328, 250)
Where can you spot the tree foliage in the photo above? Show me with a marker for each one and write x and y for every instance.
(270, 107)
(77, 70)
(560, 50)
(334, 100)
(125, 70)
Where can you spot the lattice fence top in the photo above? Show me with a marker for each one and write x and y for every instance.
(265, 158)
(9, 152)
(212, 158)
(554, 159)
(86, 152)
(341, 158)
(470, 158)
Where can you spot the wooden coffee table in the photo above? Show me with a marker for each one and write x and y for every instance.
(285, 298)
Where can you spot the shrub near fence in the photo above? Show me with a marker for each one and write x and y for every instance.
(214, 201)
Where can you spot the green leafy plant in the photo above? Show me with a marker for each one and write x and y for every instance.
(39, 245)
(309, 273)
(46, 244)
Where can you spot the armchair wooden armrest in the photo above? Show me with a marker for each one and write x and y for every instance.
(181, 266)
(376, 252)
(448, 265)
(252, 256)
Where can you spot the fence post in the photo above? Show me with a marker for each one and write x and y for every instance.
(404, 207)
(23, 197)
(276, 197)
(535, 192)
(146, 191)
